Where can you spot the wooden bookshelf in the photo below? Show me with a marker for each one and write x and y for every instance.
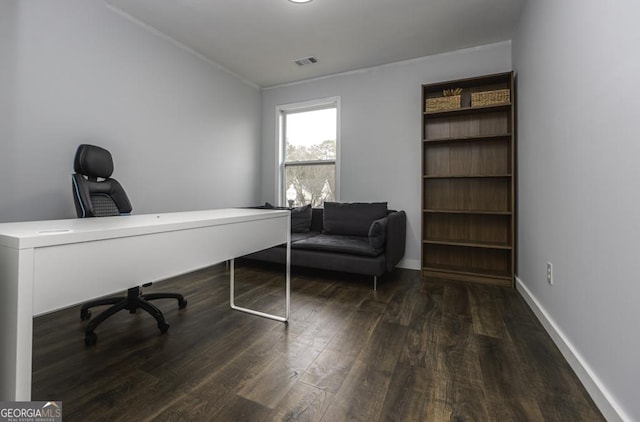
(468, 184)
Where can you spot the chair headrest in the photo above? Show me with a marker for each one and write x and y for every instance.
(93, 161)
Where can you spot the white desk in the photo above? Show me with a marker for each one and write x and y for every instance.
(49, 265)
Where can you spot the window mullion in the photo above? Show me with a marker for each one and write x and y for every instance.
(309, 163)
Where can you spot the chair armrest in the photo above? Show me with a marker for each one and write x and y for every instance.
(396, 238)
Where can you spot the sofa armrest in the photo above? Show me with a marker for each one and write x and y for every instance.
(396, 238)
(378, 233)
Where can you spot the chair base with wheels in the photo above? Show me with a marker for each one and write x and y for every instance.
(132, 302)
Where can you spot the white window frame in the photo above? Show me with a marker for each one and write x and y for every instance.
(310, 105)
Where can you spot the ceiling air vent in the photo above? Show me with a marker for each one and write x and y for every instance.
(306, 60)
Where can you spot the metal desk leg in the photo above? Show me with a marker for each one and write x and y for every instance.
(258, 313)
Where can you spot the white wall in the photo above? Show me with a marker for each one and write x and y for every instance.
(183, 133)
(578, 67)
(7, 93)
(380, 127)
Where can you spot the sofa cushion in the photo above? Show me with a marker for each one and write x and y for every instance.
(352, 218)
(296, 237)
(355, 245)
(378, 233)
(301, 219)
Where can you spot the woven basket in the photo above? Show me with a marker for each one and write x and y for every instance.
(443, 103)
(485, 98)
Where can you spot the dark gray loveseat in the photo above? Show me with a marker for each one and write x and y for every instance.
(360, 238)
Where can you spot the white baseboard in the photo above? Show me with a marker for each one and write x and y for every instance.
(409, 264)
(598, 392)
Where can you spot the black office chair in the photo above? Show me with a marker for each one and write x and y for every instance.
(105, 198)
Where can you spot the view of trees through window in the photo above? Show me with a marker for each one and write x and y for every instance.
(310, 157)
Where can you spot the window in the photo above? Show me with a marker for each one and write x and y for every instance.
(308, 152)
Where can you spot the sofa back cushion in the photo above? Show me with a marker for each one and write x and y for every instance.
(354, 218)
(301, 219)
(300, 216)
(317, 219)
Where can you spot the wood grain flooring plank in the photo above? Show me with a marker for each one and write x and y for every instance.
(410, 390)
(303, 403)
(319, 329)
(458, 390)
(514, 309)
(421, 343)
(333, 364)
(456, 334)
(97, 375)
(346, 294)
(487, 320)
(223, 337)
(549, 377)
(276, 379)
(400, 309)
(426, 350)
(328, 371)
(455, 300)
(384, 345)
(459, 387)
(241, 410)
(263, 370)
(99, 398)
(362, 393)
(215, 388)
(375, 303)
(218, 388)
(507, 393)
(465, 406)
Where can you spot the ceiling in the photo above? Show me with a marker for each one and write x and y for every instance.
(258, 39)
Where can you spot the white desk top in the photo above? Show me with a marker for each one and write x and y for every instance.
(32, 234)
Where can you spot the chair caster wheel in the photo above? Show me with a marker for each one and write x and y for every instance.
(90, 339)
(182, 304)
(163, 327)
(85, 314)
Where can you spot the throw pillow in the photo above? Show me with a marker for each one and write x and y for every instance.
(353, 219)
(301, 219)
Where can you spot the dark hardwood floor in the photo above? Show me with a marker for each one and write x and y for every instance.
(415, 350)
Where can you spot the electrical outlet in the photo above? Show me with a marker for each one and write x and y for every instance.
(549, 273)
